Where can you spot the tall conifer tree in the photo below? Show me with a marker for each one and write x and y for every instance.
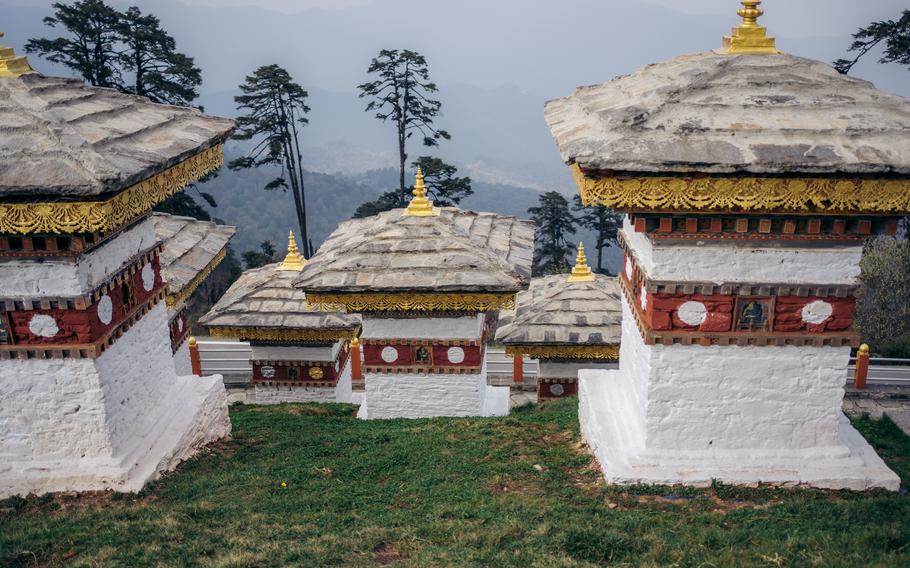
(401, 94)
(554, 223)
(603, 221)
(275, 109)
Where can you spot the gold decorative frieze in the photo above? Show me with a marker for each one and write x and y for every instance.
(379, 302)
(747, 194)
(181, 296)
(90, 216)
(282, 334)
(592, 352)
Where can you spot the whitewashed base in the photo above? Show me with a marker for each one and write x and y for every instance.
(182, 363)
(340, 393)
(606, 409)
(193, 414)
(428, 396)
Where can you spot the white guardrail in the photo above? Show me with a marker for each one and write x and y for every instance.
(231, 359)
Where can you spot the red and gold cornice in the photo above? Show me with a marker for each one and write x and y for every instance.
(69, 217)
(794, 195)
(284, 334)
(417, 302)
(566, 352)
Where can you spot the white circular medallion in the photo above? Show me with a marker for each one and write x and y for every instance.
(267, 372)
(644, 299)
(629, 268)
(389, 354)
(557, 389)
(105, 309)
(817, 312)
(455, 355)
(148, 277)
(43, 326)
(693, 313)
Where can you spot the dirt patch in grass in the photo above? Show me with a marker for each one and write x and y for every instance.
(56, 504)
(388, 554)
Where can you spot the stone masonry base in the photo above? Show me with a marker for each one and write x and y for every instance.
(604, 415)
(193, 414)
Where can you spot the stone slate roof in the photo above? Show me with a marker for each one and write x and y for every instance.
(60, 137)
(734, 114)
(458, 251)
(553, 311)
(265, 298)
(189, 245)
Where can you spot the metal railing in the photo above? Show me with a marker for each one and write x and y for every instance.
(231, 359)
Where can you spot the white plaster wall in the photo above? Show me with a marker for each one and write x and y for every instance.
(295, 353)
(424, 396)
(182, 364)
(344, 389)
(51, 408)
(76, 276)
(569, 369)
(470, 327)
(731, 397)
(137, 372)
(729, 261)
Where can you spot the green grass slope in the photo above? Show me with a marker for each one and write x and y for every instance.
(515, 491)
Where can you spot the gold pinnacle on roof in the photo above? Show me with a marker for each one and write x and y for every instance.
(293, 261)
(420, 206)
(10, 65)
(749, 37)
(581, 272)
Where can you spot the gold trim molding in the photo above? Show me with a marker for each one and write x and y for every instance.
(283, 334)
(379, 302)
(593, 352)
(91, 216)
(752, 194)
(181, 296)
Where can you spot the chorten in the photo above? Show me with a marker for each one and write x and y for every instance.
(750, 179)
(90, 396)
(566, 322)
(300, 353)
(428, 282)
(190, 250)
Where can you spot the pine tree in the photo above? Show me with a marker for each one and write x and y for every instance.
(603, 221)
(159, 72)
(554, 223)
(401, 94)
(895, 34)
(275, 110)
(265, 255)
(93, 48)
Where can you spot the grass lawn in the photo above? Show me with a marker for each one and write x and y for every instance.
(516, 491)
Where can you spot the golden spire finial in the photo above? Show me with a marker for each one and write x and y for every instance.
(420, 206)
(581, 272)
(293, 260)
(10, 65)
(749, 37)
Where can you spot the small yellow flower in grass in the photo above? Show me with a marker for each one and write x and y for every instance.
(283, 484)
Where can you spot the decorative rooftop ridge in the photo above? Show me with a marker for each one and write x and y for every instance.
(749, 37)
(293, 261)
(581, 272)
(420, 206)
(12, 65)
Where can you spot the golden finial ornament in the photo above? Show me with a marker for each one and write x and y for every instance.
(293, 260)
(420, 206)
(10, 64)
(581, 272)
(749, 37)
